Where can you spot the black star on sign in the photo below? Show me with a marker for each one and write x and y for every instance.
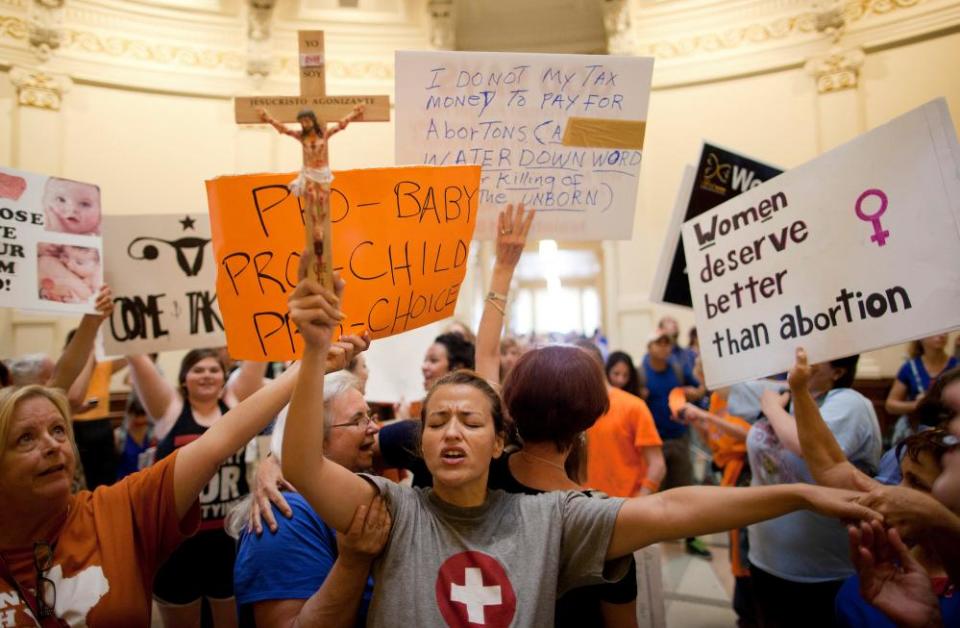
(187, 222)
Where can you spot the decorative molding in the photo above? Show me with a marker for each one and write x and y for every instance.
(259, 49)
(121, 43)
(442, 24)
(38, 88)
(153, 52)
(837, 70)
(803, 23)
(617, 24)
(13, 27)
(45, 27)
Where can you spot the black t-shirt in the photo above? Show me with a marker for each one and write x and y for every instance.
(399, 444)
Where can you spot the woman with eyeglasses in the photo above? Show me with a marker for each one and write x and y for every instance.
(459, 553)
(90, 558)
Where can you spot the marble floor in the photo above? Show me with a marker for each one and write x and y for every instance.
(697, 592)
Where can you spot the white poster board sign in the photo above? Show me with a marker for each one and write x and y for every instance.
(50, 246)
(509, 113)
(850, 252)
(163, 276)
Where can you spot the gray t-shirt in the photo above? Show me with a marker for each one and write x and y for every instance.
(500, 564)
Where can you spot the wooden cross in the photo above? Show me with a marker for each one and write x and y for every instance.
(326, 108)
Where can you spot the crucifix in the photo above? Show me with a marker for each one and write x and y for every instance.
(312, 109)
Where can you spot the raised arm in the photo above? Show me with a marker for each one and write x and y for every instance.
(784, 425)
(266, 118)
(341, 124)
(77, 352)
(696, 510)
(332, 491)
(155, 392)
(77, 394)
(512, 230)
(820, 449)
(248, 380)
(198, 461)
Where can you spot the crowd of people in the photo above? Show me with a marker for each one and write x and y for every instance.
(516, 492)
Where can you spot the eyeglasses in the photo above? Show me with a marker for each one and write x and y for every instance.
(46, 590)
(364, 421)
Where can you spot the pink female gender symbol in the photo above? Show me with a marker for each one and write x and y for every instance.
(880, 234)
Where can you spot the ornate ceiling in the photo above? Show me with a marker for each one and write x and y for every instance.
(222, 47)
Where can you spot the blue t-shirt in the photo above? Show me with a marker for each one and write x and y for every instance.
(659, 384)
(290, 564)
(852, 611)
(804, 546)
(915, 377)
(684, 356)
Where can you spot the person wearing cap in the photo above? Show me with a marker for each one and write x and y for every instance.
(663, 375)
(684, 356)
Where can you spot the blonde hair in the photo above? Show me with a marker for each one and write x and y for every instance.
(11, 396)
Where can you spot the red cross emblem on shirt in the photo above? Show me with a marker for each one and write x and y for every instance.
(473, 589)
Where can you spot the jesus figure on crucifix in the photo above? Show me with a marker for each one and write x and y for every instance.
(313, 183)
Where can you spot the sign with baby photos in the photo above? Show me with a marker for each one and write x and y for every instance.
(50, 244)
(163, 276)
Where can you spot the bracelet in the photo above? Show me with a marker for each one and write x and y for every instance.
(497, 306)
(496, 296)
(650, 484)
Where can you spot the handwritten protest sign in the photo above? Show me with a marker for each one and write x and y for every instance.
(852, 251)
(161, 270)
(400, 240)
(561, 133)
(50, 247)
(720, 175)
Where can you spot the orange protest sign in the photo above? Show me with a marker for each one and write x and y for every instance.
(401, 237)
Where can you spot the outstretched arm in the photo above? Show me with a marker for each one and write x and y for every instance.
(341, 124)
(331, 490)
(77, 352)
(512, 229)
(820, 449)
(279, 126)
(701, 416)
(695, 510)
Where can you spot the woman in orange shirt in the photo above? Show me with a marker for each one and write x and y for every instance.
(89, 558)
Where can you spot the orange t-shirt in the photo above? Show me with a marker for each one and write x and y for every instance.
(112, 543)
(615, 464)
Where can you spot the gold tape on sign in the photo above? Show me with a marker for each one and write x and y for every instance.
(604, 133)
